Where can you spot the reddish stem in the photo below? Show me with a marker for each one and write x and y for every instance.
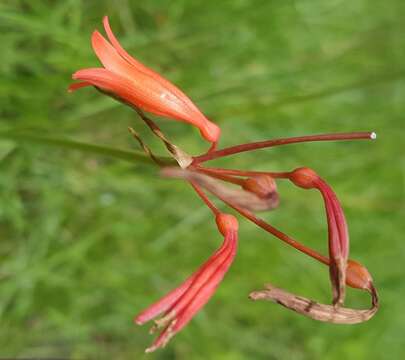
(221, 171)
(204, 197)
(282, 236)
(213, 147)
(220, 175)
(283, 141)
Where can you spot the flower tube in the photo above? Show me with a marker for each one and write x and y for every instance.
(127, 79)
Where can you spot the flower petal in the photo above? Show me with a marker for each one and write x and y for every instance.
(140, 86)
(209, 287)
(199, 287)
(143, 92)
(171, 298)
(117, 46)
(164, 303)
(133, 92)
(110, 58)
(203, 277)
(192, 303)
(191, 113)
(75, 86)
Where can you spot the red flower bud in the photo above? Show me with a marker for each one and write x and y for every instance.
(264, 186)
(357, 276)
(304, 178)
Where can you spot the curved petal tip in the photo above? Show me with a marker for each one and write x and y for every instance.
(106, 21)
(75, 86)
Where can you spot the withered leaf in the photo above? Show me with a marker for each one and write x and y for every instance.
(315, 310)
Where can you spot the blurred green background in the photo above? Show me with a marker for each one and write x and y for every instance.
(88, 241)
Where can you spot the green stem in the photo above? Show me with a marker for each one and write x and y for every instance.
(131, 156)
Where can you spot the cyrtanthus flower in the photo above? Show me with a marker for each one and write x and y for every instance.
(182, 303)
(247, 192)
(137, 85)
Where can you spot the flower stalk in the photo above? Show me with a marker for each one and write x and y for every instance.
(283, 141)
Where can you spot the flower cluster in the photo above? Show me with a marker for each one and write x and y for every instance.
(247, 192)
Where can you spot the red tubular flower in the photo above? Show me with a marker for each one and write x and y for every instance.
(337, 229)
(181, 304)
(129, 80)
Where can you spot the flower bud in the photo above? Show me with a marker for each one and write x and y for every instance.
(304, 177)
(357, 275)
(226, 223)
(264, 186)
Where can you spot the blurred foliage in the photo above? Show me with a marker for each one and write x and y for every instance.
(88, 241)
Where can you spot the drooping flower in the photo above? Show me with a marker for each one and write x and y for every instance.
(132, 82)
(338, 234)
(181, 304)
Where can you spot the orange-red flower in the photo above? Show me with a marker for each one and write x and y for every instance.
(134, 83)
(181, 304)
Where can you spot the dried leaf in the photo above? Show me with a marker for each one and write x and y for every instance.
(315, 310)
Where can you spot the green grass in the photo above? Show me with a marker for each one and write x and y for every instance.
(87, 240)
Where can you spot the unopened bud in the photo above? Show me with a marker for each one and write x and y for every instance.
(357, 276)
(226, 223)
(264, 186)
(304, 177)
